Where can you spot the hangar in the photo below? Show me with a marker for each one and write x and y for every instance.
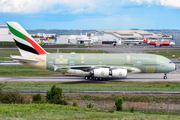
(129, 36)
(5, 34)
(176, 39)
(100, 36)
(74, 39)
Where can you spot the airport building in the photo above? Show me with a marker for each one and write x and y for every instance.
(110, 36)
(5, 34)
(129, 36)
(176, 39)
(105, 38)
(74, 39)
(42, 35)
(98, 37)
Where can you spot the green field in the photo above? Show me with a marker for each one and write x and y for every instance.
(22, 70)
(67, 46)
(5, 54)
(74, 50)
(13, 44)
(165, 52)
(51, 111)
(173, 99)
(7, 44)
(93, 86)
(99, 84)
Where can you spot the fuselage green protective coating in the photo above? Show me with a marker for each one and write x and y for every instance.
(145, 62)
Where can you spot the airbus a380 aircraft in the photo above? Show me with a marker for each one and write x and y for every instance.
(93, 66)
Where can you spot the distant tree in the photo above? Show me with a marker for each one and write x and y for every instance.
(132, 109)
(36, 97)
(90, 105)
(55, 96)
(2, 86)
(75, 104)
(12, 97)
(1, 90)
(119, 103)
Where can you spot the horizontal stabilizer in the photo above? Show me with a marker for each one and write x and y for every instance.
(24, 60)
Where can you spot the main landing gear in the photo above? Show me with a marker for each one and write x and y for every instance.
(165, 76)
(92, 78)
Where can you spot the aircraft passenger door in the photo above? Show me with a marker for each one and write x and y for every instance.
(73, 59)
(139, 63)
(162, 64)
(71, 63)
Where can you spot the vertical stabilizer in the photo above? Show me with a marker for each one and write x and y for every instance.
(25, 43)
(47, 39)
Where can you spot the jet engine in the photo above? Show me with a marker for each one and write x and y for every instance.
(119, 73)
(100, 72)
(106, 72)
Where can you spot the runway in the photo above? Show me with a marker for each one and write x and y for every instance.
(172, 77)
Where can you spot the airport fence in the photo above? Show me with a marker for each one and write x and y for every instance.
(140, 106)
(7, 44)
(65, 88)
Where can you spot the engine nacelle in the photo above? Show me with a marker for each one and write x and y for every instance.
(101, 72)
(74, 71)
(119, 73)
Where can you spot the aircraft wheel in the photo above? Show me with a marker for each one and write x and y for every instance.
(100, 78)
(86, 77)
(90, 78)
(165, 77)
(96, 79)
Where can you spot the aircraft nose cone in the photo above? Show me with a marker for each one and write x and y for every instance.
(175, 67)
(171, 43)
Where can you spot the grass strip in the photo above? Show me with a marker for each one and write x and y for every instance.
(141, 86)
(165, 52)
(22, 70)
(51, 111)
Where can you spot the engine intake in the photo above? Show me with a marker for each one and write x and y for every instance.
(106, 72)
(101, 72)
(119, 73)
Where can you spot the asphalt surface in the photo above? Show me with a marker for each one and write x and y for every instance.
(172, 77)
(111, 92)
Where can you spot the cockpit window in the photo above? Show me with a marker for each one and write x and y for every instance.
(170, 62)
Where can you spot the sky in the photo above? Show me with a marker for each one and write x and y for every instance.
(92, 14)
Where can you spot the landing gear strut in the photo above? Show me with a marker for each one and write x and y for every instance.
(92, 77)
(165, 77)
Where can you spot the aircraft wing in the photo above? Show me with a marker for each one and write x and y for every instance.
(88, 68)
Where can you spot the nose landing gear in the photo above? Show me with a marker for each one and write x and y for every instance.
(165, 75)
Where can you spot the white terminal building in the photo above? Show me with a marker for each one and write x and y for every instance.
(43, 35)
(129, 36)
(100, 36)
(109, 36)
(74, 39)
(5, 34)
